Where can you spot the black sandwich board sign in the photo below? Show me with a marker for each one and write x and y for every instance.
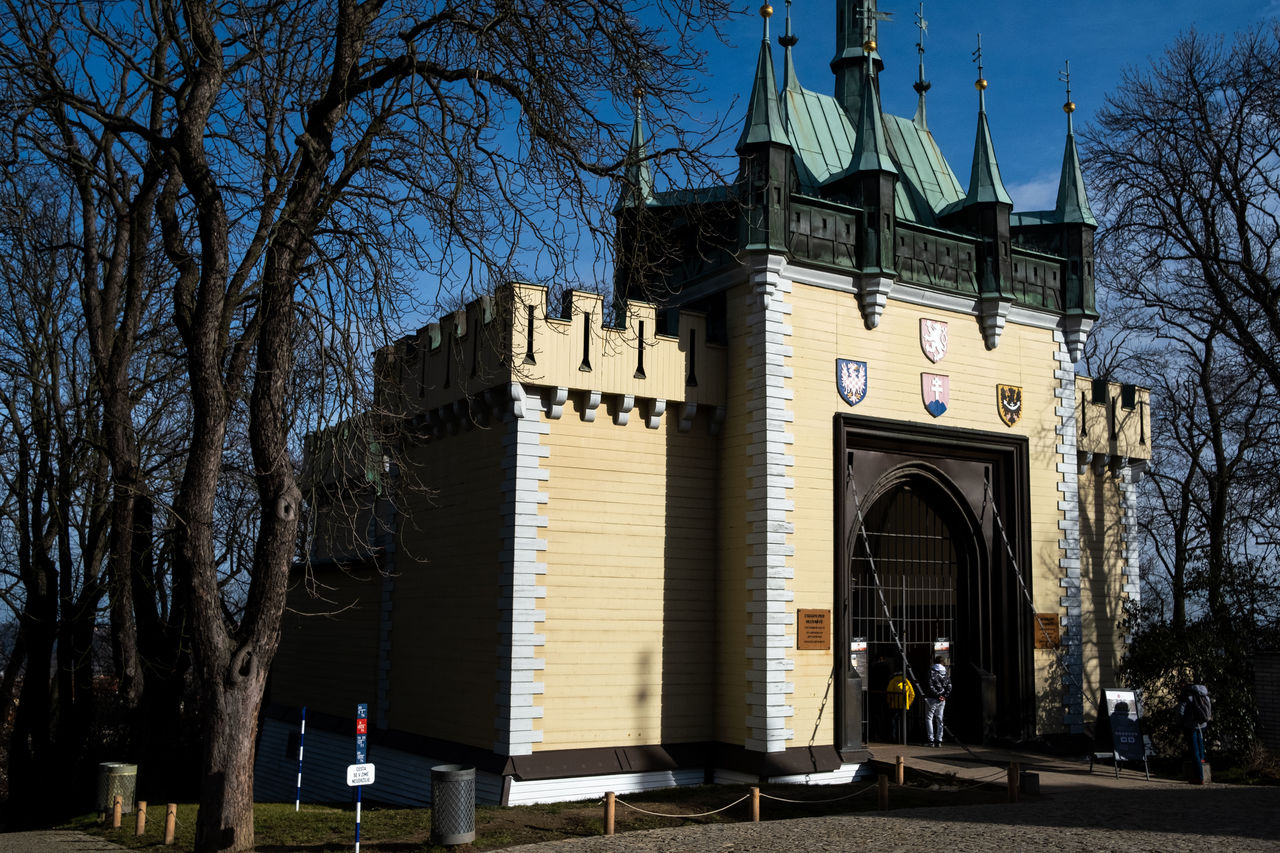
(1119, 729)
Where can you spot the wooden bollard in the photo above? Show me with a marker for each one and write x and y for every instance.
(902, 770)
(117, 806)
(608, 812)
(141, 828)
(755, 805)
(170, 822)
(884, 792)
(1013, 781)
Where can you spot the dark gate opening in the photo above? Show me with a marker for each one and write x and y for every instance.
(921, 513)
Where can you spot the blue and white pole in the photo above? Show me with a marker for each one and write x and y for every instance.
(362, 755)
(302, 735)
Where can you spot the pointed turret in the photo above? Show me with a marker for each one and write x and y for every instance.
(985, 184)
(870, 151)
(634, 222)
(764, 154)
(1078, 224)
(1073, 201)
(637, 186)
(764, 119)
(985, 211)
(875, 181)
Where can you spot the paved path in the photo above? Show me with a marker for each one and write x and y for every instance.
(54, 841)
(1075, 811)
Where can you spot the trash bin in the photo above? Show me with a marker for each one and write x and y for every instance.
(116, 778)
(453, 804)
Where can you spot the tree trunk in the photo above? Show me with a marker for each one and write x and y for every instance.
(225, 820)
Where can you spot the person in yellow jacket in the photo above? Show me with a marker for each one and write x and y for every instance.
(900, 694)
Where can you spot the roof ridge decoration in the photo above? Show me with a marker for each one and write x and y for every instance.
(637, 185)
(790, 82)
(985, 184)
(1073, 201)
(764, 120)
(921, 85)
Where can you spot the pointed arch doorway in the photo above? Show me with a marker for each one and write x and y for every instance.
(922, 572)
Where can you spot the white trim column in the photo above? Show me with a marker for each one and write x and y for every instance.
(769, 508)
(520, 592)
(1069, 543)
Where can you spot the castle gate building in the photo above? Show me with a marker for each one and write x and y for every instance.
(692, 537)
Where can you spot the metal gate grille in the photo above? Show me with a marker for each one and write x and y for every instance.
(917, 565)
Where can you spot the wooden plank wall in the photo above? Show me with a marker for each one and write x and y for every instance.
(630, 610)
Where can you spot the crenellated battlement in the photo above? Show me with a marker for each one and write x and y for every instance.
(1114, 424)
(468, 362)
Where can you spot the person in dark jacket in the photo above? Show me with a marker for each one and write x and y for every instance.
(935, 701)
(1195, 710)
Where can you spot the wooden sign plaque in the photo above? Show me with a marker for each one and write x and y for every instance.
(813, 629)
(1048, 631)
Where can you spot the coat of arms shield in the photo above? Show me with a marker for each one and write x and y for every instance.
(936, 391)
(1009, 403)
(851, 380)
(933, 339)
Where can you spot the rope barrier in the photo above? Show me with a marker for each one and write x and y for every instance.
(743, 798)
(818, 802)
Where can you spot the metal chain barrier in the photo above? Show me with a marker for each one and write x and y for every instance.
(1060, 654)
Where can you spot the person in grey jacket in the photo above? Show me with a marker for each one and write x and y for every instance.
(935, 701)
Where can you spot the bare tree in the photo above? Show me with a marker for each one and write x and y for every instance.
(1184, 160)
(306, 161)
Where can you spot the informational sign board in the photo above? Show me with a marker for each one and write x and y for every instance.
(359, 774)
(362, 734)
(813, 629)
(1123, 720)
(1048, 631)
(858, 659)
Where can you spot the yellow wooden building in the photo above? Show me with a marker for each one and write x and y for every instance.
(693, 542)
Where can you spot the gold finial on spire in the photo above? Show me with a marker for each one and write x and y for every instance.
(766, 11)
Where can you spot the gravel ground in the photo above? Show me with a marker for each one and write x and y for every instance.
(1075, 811)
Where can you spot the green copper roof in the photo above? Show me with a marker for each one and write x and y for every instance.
(820, 134)
(637, 188)
(1073, 201)
(926, 184)
(824, 142)
(764, 121)
(985, 185)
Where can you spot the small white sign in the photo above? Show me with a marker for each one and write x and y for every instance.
(359, 774)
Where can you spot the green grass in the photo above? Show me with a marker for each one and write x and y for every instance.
(321, 829)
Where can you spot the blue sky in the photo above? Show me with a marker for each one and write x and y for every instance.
(1025, 45)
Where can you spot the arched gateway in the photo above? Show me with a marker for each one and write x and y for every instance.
(924, 569)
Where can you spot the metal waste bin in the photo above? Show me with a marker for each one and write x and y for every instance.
(453, 804)
(116, 778)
